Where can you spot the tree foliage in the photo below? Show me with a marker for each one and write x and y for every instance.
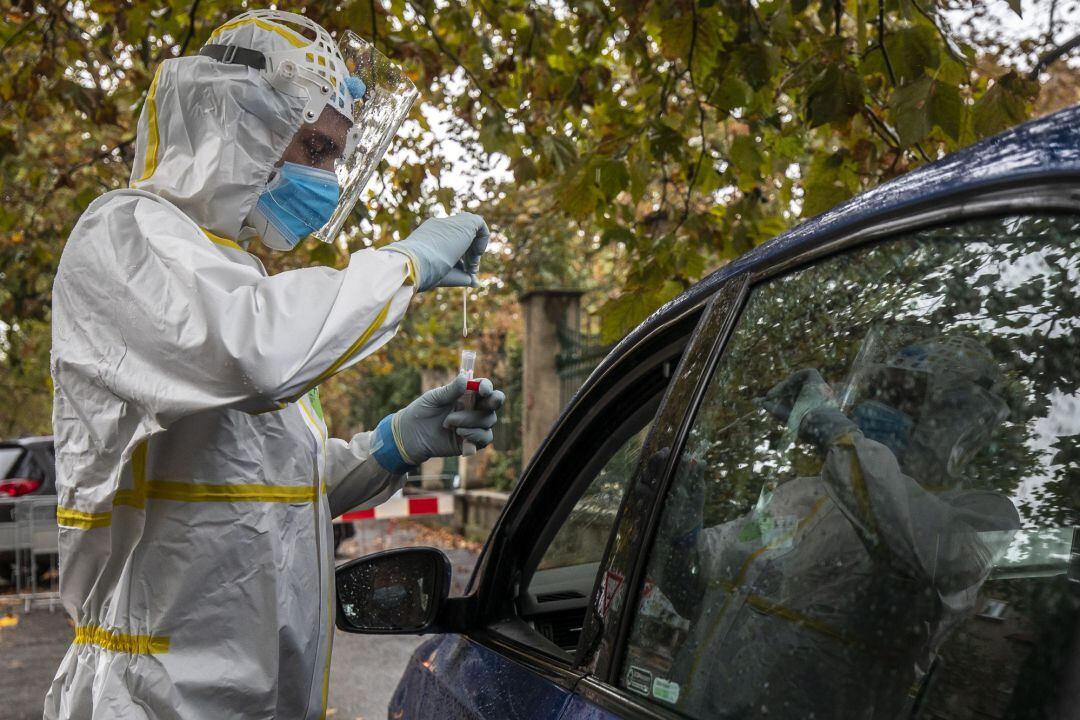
(647, 142)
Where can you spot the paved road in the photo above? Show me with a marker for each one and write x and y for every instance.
(363, 674)
(29, 655)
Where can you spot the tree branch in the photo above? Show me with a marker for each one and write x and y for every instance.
(14, 36)
(701, 125)
(191, 27)
(374, 25)
(888, 63)
(881, 42)
(946, 39)
(1052, 55)
(457, 61)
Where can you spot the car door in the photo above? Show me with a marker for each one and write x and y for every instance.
(839, 566)
(529, 595)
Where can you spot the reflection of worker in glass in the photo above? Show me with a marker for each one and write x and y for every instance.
(830, 598)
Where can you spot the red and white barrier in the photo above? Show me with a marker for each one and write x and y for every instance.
(400, 506)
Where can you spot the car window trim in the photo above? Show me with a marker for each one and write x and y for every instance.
(481, 626)
(531, 478)
(1054, 196)
(549, 667)
(621, 703)
(721, 306)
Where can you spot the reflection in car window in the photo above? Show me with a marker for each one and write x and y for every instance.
(875, 511)
(583, 536)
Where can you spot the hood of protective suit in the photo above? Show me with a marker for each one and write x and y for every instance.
(211, 132)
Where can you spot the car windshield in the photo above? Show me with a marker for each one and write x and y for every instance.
(8, 457)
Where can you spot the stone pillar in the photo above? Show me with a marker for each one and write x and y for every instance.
(433, 378)
(544, 311)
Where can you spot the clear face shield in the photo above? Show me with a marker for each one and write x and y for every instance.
(355, 99)
(376, 116)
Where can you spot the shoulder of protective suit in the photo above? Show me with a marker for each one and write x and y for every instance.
(124, 222)
(119, 216)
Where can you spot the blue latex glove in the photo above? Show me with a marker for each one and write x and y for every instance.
(430, 426)
(446, 251)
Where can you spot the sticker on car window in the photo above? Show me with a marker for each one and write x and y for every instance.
(666, 690)
(612, 585)
(639, 680)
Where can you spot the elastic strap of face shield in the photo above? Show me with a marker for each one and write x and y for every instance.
(285, 76)
(236, 55)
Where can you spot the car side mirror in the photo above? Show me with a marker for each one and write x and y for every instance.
(393, 592)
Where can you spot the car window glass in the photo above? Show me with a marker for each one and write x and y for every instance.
(8, 458)
(29, 467)
(582, 538)
(554, 597)
(876, 511)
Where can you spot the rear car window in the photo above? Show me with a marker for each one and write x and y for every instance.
(876, 512)
(8, 458)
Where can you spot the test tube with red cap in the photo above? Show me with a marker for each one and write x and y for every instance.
(468, 400)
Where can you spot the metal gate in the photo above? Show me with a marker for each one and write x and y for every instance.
(580, 351)
(30, 542)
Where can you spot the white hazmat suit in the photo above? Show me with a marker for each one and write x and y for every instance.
(196, 483)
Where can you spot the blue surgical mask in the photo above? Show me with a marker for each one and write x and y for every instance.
(885, 424)
(297, 202)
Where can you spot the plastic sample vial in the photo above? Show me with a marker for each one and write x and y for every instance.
(468, 400)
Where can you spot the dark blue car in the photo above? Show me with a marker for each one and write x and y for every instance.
(838, 478)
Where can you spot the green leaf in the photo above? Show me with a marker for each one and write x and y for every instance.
(664, 140)
(580, 196)
(524, 169)
(746, 159)
(947, 109)
(676, 35)
(1003, 105)
(620, 315)
(835, 96)
(758, 63)
(558, 151)
(732, 92)
(611, 177)
(707, 44)
(617, 234)
(910, 113)
(912, 51)
(494, 133)
(919, 106)
(831, 180)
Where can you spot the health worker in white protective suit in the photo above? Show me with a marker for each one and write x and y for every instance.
(831, 597)
(196, 482)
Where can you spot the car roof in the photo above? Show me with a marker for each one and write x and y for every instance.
(1039, 150)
